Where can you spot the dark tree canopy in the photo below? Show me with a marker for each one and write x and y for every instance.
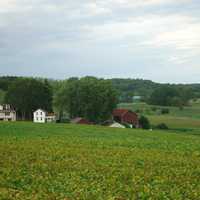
(168, 95)
(27, 95)
(89, 97)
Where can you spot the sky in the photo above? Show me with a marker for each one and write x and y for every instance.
(157, 40)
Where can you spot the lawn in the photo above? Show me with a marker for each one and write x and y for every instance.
(71, 162)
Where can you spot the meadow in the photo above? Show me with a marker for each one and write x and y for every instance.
(72, 162)
(185, 118)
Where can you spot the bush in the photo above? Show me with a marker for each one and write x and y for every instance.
(133, 126)
(154, 109)
(126, 125)
(165, 111)
(138, 111)
(144, 122)
(162, 126)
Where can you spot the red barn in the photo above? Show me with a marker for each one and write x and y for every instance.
(126, 116)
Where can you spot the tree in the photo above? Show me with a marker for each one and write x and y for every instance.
(2, 96)
(89, 97)
(27, 95)
(144, 122)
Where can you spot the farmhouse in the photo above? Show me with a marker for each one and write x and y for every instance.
(80, 120)
(41, 116)
(126, 116)
(7, 113)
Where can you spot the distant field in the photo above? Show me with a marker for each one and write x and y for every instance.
(67, 162)
(189, 117)
(190, 111)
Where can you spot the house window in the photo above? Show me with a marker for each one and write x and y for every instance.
(40, 113)
(41, 118)
(7, 114)
(37, 118)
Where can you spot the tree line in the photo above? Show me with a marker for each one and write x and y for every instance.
(88, 97)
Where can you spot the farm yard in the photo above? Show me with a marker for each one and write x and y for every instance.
(67, 162)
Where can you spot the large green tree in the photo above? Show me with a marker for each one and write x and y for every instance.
(27, 95)
(89, 97)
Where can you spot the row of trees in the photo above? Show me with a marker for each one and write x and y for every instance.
(89, 97)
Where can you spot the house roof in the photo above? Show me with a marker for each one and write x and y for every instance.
(40, 110)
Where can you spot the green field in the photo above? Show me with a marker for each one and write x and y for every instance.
(71, 162)
(186, 118)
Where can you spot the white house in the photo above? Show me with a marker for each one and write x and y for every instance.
(41, 116)
(7, 113)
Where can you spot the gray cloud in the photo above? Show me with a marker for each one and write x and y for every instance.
(152, 39)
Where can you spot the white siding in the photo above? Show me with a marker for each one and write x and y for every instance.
(7, 116)
(39, 116)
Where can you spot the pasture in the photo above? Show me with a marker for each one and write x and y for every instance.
(71, 162)
(186, 118)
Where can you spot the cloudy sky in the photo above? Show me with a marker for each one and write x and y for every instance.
(149, 39)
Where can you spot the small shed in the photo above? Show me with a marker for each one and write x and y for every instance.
(117, 125)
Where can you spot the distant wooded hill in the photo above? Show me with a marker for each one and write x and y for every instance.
(145, 88)
(127, 88)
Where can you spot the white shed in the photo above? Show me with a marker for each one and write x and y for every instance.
(117, 125)
(39, 116)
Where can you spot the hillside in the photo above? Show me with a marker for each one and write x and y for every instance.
(127, 88)
(57, 161)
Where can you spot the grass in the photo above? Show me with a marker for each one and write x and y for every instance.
(192, 111)
(67, 162)
(188, 118)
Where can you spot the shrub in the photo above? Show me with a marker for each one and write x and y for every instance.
(126, 125)
(138, 111)
(162, 126)
(144, 122)
(165, 111)
(154, 109)
(133, 126)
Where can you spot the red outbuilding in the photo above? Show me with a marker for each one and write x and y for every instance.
(126, 116)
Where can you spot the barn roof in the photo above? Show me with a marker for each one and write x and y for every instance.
(120, 112)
